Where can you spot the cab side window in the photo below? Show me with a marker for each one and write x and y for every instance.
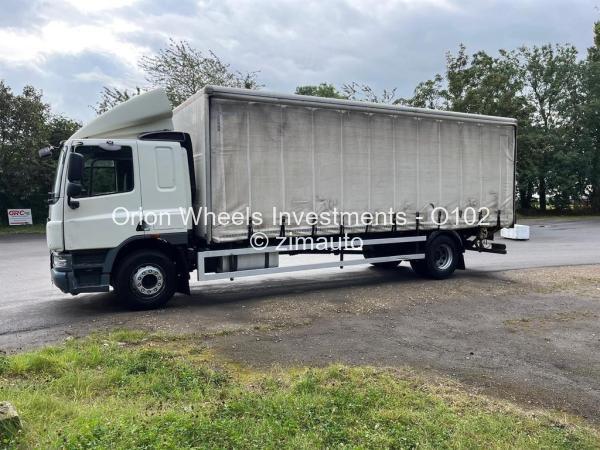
(106, 171)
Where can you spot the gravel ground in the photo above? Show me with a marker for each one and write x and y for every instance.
(531, 336)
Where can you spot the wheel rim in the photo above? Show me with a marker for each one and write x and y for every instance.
(148, 281)
(443, 257)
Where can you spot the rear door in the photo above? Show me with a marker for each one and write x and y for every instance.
(110, 203)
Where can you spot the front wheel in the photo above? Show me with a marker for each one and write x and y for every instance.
(441, 259)
(146, 279)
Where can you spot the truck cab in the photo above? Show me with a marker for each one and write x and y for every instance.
(120, 190)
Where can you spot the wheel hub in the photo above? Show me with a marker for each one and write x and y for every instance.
(147, 280)
(442, 257)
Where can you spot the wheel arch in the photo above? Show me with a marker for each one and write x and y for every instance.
(173, 249)
(458, 240)
(450, 233)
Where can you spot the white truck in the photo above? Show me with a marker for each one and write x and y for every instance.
(233, 178)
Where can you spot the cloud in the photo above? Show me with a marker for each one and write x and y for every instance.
(95, 6)
(34, 47)
(71, 48)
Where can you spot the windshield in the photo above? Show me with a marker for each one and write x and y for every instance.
(55, 194)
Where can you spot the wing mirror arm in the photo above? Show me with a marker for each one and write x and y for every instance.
(74, 179)
(73, 190)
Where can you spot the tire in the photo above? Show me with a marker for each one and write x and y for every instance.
(146, 279)
(441, 259)
(368, 252)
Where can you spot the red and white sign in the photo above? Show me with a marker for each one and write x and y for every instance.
(19, 217)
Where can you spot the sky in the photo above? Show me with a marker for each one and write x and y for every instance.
(70, 49)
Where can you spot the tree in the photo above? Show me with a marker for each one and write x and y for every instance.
(349, 91)
(552, 87)
(428, 94)
(364, 92)
(479, 84)
(322, 90)
(183, 70)
(111, 97)
(26, 125)
(590, 120)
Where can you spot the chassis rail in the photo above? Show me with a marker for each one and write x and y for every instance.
(283, 249)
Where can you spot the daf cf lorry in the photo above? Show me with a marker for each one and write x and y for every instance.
(232, 178)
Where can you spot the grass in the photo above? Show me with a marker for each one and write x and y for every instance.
(36, 228)
(132, 390)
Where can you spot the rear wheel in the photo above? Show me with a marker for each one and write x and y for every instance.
(441, 259)
(146, 279)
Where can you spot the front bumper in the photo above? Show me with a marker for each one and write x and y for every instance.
(70, 283)
(61, 280)
(74, 277)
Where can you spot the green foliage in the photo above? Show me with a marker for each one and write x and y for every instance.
(26, 125)
(183, 70)
(36, 228)
(428, 94)
(349, 91)
(133, 390)
(365, 93)
(480, 84)
(587, 135)
(4, 363)
(111, 97)
(322, 90)
(553, 88)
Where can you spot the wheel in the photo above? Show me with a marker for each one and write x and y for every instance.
(369, 252)
(146, 279)
(441, 259)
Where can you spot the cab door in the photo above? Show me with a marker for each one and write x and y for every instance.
(109, 206)
(166, 193)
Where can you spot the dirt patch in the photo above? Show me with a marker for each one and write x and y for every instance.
(550, 321)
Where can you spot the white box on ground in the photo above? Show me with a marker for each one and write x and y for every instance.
(19, 217)
(519, 232)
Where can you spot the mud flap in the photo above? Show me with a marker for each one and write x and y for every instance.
(183, 284)
(461, 262)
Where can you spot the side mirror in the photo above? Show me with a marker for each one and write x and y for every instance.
(74, 178)
(75, 174)
(73, 189)
(45, 152)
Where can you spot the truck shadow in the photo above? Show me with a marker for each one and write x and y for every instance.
(250, 289)
(254, 290)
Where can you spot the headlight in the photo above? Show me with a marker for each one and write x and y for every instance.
(60, 261)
